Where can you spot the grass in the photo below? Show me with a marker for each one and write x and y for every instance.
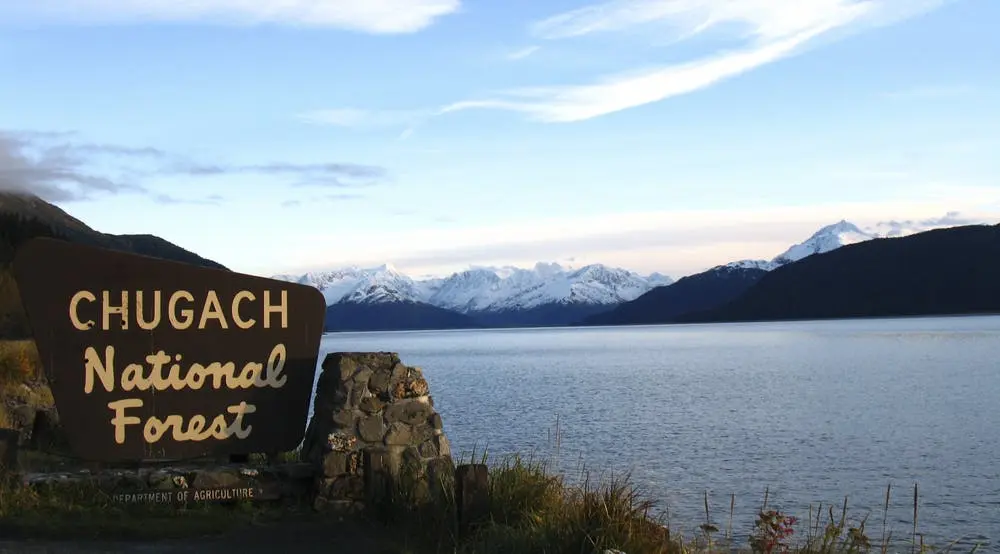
(530, 510)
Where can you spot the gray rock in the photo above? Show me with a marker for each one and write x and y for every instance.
(345, 487)
(358, 392)
(399, 434)
(443, 447)
(371, 428)
(436, 421)
(428, 449)
(413, 463)
(345, 418)
(399, 373)
(335, 464)
(421, 433)
(378, 384)
(361, 378)
(346, 365)
(371, 404)
(411, 412)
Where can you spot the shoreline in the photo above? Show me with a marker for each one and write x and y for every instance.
(634, 325)
(529, 508)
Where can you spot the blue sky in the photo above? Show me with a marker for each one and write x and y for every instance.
(657, 135)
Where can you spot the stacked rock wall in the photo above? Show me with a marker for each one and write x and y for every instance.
(373, 411)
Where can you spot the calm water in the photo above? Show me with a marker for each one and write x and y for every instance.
(813, 410)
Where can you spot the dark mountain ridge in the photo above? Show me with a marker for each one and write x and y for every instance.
(697, 292)
(24, 217)
(950, 271)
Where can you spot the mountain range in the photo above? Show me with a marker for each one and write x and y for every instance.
(549, 294)
(839, 271)
(947, 271)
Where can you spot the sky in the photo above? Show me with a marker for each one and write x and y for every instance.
(284, 136)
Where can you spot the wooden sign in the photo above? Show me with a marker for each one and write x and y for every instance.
(153, 359)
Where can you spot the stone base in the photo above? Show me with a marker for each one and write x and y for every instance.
(375, 432)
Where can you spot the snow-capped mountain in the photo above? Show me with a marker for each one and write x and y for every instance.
(360, 286)
(506, 289)
(826, 239)
(766, 265)
(485, 289)
(548, 294)
(594, 285)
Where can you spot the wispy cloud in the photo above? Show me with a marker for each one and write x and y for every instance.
(765, 31)
(768, 29)
(60, 168)
(210, 200)
(895, 228)
(336, 175)
(371, 16)
(932, 91)
(522, 53)
(293, 202)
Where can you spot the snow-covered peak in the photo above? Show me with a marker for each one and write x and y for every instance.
(826, 239)
(659, 280)
(752, 264)
(519, 289)
(353, 284)
(549, 269)
(468, 290)
(485, 288)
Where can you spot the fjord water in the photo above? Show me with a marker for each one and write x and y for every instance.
(813, 410)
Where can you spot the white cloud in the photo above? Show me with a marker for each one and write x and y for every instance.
(769, 30)
(372, 16)
(676, 242)
(522, 53)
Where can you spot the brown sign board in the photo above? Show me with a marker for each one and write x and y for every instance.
(155, 360)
